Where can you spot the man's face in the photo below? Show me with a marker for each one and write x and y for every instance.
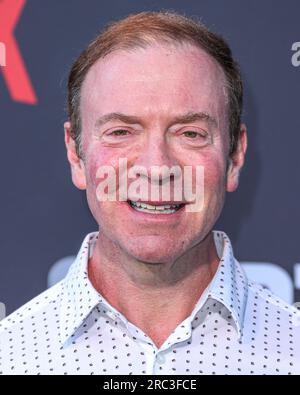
(155, 86)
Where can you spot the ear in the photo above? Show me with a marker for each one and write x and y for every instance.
(76, 163)
(236, 160)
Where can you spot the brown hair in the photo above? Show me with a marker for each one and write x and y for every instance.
(141, 30)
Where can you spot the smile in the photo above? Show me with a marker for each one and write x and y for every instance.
(161, 209)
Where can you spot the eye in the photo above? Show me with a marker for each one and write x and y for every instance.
(193, 134)
(190, 134)
(196, 137)
(119, 132)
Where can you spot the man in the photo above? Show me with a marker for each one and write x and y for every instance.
(156, 290)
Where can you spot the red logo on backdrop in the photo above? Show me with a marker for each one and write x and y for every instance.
(15, 74)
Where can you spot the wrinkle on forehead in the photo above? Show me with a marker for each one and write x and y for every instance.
(124, 79)
(198, 58)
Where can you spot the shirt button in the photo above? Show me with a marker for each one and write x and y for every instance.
(160, 359)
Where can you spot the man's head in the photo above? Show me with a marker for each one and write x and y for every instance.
(157, 70)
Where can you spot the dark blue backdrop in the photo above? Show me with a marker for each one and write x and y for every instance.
(44, 218)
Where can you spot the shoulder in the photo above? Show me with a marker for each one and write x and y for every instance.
(41, 305)
(263, 297)
(31, 331)
(272, 320)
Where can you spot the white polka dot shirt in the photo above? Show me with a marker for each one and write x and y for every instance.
(236, 327)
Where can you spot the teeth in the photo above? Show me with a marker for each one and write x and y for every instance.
(163, 209)
(147, 206)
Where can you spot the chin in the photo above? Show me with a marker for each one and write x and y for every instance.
(154, 249)
(152, 257)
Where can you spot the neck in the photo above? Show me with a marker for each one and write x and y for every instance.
(159, 296)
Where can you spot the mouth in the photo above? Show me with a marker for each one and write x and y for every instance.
(158, 209)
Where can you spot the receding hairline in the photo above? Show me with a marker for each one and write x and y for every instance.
(144, 29)
(159, 44)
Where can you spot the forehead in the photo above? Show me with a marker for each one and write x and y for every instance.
(158, 78)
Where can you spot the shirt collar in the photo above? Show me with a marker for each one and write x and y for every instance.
(79, 297)
(230, 284)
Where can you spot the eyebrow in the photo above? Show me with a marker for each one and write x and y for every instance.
(181, 119)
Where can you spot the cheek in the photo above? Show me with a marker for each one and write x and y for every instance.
(96, 159)
(214, 176)
(214, 194)
(214, 190)
(98, 209)
(214, 165)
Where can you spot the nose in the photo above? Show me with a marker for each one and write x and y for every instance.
(156, 156)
